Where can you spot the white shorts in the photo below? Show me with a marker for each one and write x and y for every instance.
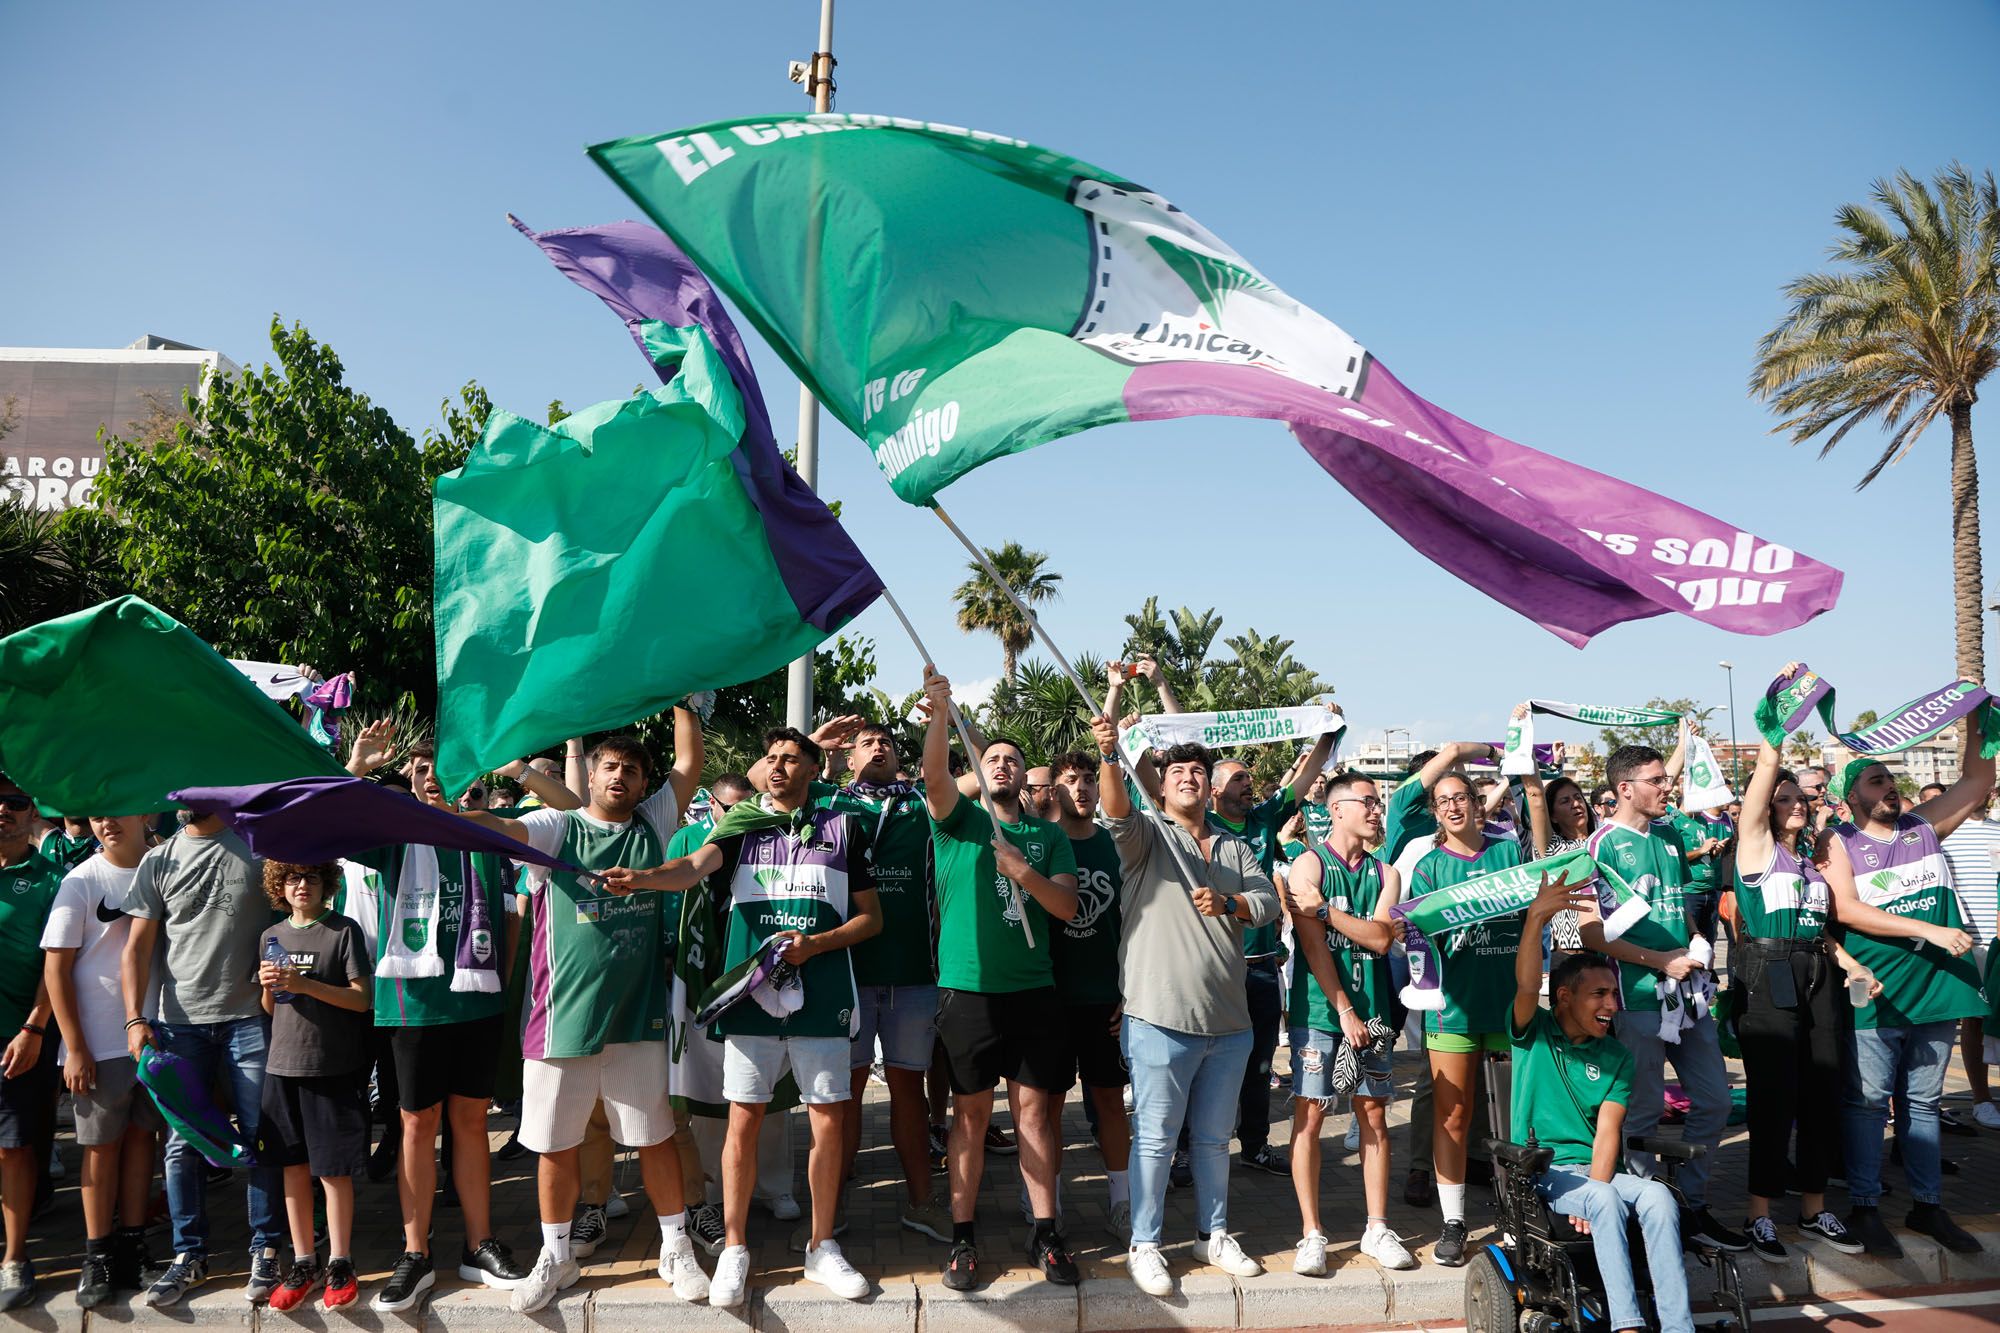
(629, 1077)
(751, 1067)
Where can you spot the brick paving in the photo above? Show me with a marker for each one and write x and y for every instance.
(1262, 1209)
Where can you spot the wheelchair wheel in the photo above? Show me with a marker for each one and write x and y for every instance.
(1490, 1304)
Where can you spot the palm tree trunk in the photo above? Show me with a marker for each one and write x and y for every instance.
(1009, 659)
(1969, 599)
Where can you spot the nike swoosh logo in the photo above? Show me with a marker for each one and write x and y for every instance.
(109, 918)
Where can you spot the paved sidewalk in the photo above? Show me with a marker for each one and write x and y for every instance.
(620, 1290)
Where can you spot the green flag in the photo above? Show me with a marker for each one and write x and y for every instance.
(597, 571)
(106, 711)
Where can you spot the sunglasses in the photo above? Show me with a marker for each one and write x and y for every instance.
(475, 793)
(16, 803)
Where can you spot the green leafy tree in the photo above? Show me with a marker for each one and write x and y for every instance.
(1903, 335)
(49, 567)
(985, 608)
(1040, 709)
(1660, 738)
(1802, 748)
(1867, 717)
(1179, 642)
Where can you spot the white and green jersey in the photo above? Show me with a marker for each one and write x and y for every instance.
(1907, 875)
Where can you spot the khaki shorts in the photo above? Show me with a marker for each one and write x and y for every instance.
(630, 1078)
(117, 1101)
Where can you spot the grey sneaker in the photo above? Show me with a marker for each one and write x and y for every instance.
(544, 1280)
(586, 1231)
(929, 1218)
(180, 1277)
(264, 1276)
(17, 1284)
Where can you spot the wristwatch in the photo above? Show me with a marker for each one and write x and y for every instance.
(1324, 908)
(1229, 904)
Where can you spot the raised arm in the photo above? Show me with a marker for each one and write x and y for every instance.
(689, 756)
(1112, 798)
(1753, 827)
(374, 746)
(675, 876)
(1969, 795)
(1556, 895)
(940, 791)
(1148, 667)
(555, 795)
(1536, 797)
(1678, 759)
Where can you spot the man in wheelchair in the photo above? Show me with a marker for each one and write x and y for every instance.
(1571, 1081)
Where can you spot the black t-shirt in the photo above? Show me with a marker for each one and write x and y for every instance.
(309, 1037)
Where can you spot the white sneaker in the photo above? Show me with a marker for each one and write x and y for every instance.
(1126, 1097)
(1386, 1248)
(783, 1207)
(1353, 1140)
(1121, 1220)
(615, 1207)
(544, 1280)
(1226, 1254)
(680, 1270)
(1310, 1261)
(732, 1277)
(826, 1265)
(1986, 1115)
(1149, 1270)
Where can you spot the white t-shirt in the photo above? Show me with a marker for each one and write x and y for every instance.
(1974, 852)
(545, 828)
(86, 916)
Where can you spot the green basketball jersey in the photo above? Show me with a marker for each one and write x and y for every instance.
(1476, 962)
(1356, 890)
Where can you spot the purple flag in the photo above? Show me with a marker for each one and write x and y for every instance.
(312, 820)
(645, 279)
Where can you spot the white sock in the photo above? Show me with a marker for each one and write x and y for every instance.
(673, 1227)
(1121, 1190)
(1451, 1201)
(1375, 1224)
(555, 1239)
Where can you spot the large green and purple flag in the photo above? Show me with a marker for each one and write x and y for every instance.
(596, 571)
(954, 296)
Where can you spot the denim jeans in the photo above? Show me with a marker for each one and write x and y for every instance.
(1606, 1205)
(1176, 1077)
(1908, 1063)
(236, 1050)
(1697, 1061)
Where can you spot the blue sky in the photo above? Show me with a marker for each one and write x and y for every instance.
(1565, 222)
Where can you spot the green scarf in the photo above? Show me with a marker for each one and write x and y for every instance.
(1790, 699)
(1485, 897)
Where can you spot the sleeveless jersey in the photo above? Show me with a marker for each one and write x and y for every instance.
(1787, 900)
(1907, 875)
(785, 881)
(898, 833)
(1357, 891)
(1476, 962)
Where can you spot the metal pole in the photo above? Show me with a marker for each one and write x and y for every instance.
(1735, 755)
(819, 83)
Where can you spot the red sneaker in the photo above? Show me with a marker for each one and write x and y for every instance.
(341, 1288)
(298, 1284)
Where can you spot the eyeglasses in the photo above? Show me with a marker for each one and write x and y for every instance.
(16, 803)
(1661, 781)
(294, 877)
(1365, 802)
(1608, 803)
(1462, 799)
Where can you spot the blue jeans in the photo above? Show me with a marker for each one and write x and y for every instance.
(1908, 1063)
(237, 1051)
(1176, 1077)
(1697, 1062)
(1606, 1205)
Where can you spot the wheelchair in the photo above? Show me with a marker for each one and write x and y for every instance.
(1539, 1275)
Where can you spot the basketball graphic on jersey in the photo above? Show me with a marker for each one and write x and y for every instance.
(1165, 288)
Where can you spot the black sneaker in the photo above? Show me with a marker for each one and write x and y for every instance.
(132, 1267)
(492, 1265)
(1449, 1252)
(1949, 1123)
(1419, 1190)
(382, 1162)
(961, 1270)
(586, 1231)
(93, 1282)
(1828, 1229)
(177, 1279)
(1180, 1171)
(513, 1149)
(264, 1275)
(998, 1142)
(407, 1283)
(1930, 1219)
(1866, 1225)
(1267, 1159)
(1048, 1253)
(705, 1227)
(1699, 1228)
(1763, 1233)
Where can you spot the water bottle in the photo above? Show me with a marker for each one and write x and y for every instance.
(275, 954)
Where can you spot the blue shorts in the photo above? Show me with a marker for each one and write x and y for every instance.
(904, 1017)
(1312, 1068)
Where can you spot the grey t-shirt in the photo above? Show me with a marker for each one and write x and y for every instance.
(309, 1037)
(208, 896)
(1179, 969)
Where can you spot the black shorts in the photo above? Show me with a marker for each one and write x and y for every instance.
(318, 1123)
(1016, 1035)
(447, 1060)
(1100, 1060)
(28, 1101)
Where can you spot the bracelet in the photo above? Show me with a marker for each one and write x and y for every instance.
(30, 1027)
(1107, 758)
(132, 1022)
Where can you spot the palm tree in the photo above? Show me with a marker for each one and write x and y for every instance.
(1040, 710)
(984, 606)
(1905, 334)
(1803, 748)
(50, 566)
(1179, 644)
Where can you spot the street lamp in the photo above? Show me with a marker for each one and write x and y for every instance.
(1386, 733)
(1735, 756)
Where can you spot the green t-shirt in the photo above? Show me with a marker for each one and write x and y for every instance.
(1085, 955)
(1559, 1084)
(1786, 900)
(1356, 890)
(899, 861)
(980, 945)
(687, 840)
(416, 1002)
(1260, 829)
(27, 888)
(1319, 819)
(1650, 865)
(1693, 831)
(1476, 962)
(1406, 818)
(68, 852)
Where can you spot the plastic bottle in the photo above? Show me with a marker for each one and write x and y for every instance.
(274, 953)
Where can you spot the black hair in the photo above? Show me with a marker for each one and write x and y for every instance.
(736, 780)
(1073, 761)
(1627, 760)
(807, 745)
(1554, 789)
(1573, 965)
(1344, 780)
(1189, 752)
(876, 729)
(626, 746)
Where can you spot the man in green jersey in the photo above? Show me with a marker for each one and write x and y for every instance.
(1003, 879)
(1085, 960)
(895, 973)
(792, 871)
(594, 1021)
(28, 884)
(1638, 854)
(1340, 898)
(1572, 1085)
